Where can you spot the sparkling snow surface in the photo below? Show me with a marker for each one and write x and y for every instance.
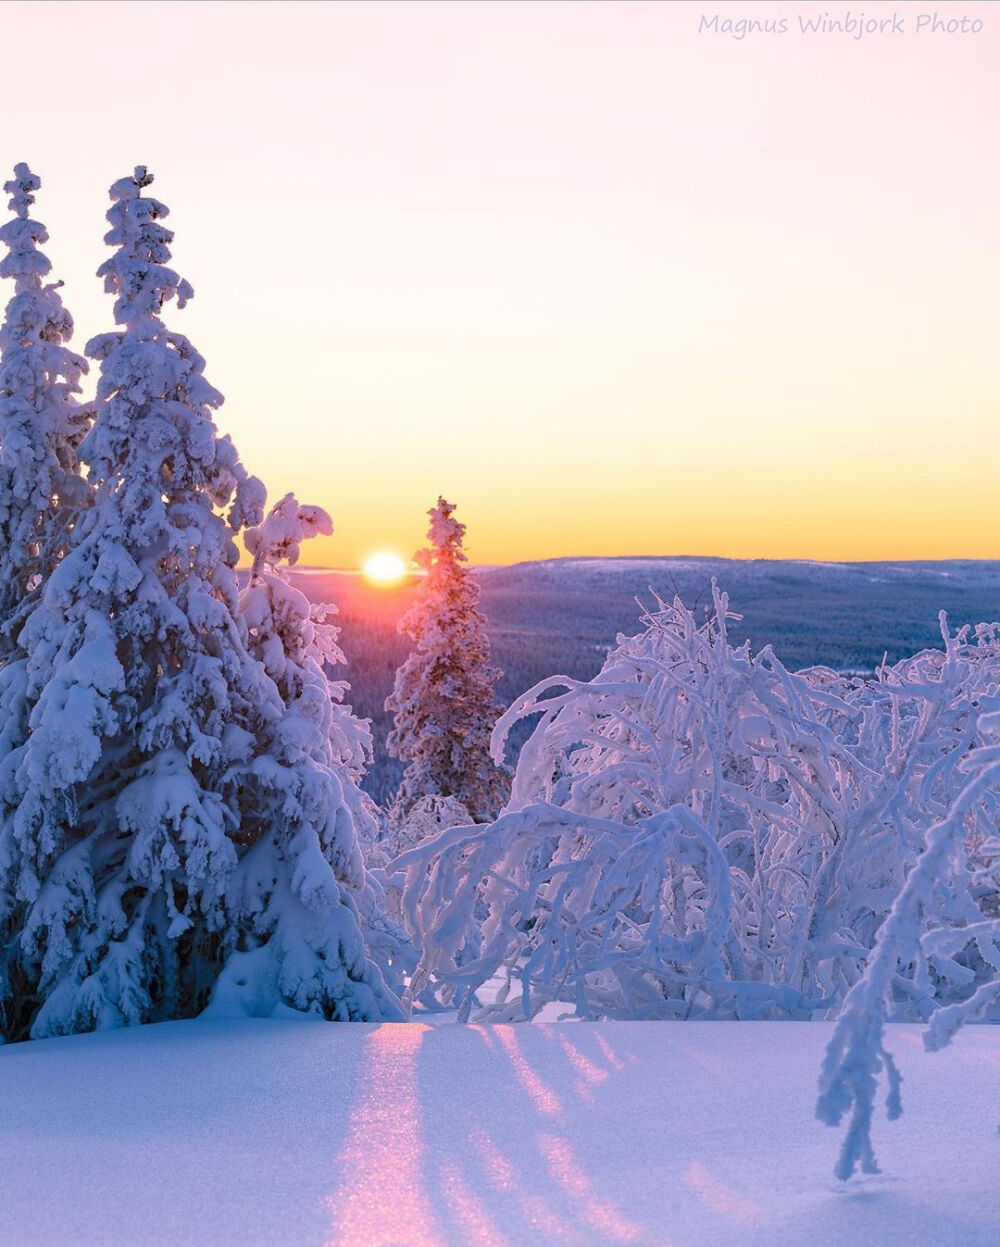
(674, 1135)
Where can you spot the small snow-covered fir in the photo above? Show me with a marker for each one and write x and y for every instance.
(443, 699)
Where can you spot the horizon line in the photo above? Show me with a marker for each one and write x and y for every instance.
(667, 558)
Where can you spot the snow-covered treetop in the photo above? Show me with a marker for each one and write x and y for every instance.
(445, 534)
(137, 272)
(20, 190)
(25, 263)
(151, 369)
(31, 320)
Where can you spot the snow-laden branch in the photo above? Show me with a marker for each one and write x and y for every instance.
(933, 919)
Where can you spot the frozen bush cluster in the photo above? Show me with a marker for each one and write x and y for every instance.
(699, 833)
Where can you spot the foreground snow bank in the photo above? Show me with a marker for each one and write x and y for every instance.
(673, 1135)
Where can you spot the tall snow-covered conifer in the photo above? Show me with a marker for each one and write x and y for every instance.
(41, 419)
(443, 699)
(122, 810)
(41, 489)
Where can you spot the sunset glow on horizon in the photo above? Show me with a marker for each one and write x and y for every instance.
(614, 285)
(383, 568)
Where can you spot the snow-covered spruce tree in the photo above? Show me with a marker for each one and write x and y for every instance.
(41, 489)
(443, 700)
(301, 887)
(115, 834)
(41, 420)
(121, 812)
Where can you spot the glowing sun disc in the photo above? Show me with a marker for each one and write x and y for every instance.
(383, 569)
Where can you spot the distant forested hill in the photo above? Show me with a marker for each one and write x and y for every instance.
(561, 615)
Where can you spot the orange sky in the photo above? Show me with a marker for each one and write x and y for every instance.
(612, 285)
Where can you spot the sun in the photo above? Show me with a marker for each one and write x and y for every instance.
(383, 569)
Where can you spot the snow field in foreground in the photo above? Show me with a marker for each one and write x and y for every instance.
(668, 1135)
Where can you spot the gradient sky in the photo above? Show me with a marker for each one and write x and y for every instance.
(611, 285)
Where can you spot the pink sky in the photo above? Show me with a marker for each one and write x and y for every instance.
(611, 285)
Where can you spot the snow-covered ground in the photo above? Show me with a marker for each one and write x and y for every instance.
(667, 1135)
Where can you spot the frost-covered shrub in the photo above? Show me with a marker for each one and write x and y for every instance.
(698, 832)
(426, 818)
(443, 699)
